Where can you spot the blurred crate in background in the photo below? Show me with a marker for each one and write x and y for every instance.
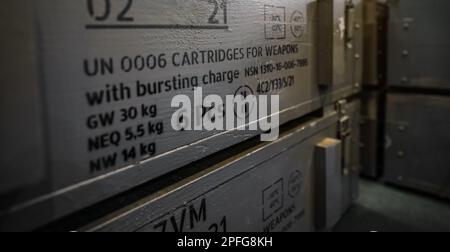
(419, 44)
(418, 143)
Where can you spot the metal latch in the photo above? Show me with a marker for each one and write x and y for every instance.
(349, 21)
(328, 183)
(345, 135)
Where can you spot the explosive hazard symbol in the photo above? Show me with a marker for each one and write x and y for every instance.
(298, 24)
